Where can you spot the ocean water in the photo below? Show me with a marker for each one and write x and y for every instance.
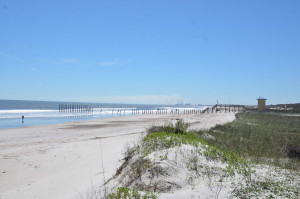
(43, 112)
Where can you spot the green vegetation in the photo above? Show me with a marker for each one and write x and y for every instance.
(180, 127)
(260, 137)
(126, 193)
(165, 140)
(174, 135)
(266, 189)
(170, 137)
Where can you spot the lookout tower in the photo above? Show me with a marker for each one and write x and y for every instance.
(261, 104)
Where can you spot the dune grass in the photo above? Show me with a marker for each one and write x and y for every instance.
(126, 193)
(260, 137)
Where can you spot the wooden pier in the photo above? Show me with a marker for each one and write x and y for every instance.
(74, 108)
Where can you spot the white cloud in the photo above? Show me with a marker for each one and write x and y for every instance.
(115, 62)
(139, 99)
(11, 56)
(110, 63)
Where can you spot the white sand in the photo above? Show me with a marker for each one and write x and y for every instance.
(58, 161)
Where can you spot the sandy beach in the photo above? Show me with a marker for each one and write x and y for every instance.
(64, 160)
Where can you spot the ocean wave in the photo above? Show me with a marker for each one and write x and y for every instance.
(97, 112)
(14, 114)
(24, 111)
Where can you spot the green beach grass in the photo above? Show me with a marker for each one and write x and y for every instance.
(259, 137)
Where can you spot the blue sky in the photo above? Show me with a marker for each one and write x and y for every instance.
(153, 52)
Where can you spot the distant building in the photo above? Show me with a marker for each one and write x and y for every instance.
(261, 104)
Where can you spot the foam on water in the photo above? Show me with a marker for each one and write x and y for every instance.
(56, 113)
(40, 113)
(96, 112)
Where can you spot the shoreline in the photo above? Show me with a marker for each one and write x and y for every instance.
(61, 160)
(14, 118)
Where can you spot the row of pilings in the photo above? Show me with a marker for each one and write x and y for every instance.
(166, 111)
(227, 108)
(218, 108)
(74, 108)
(214, 109)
